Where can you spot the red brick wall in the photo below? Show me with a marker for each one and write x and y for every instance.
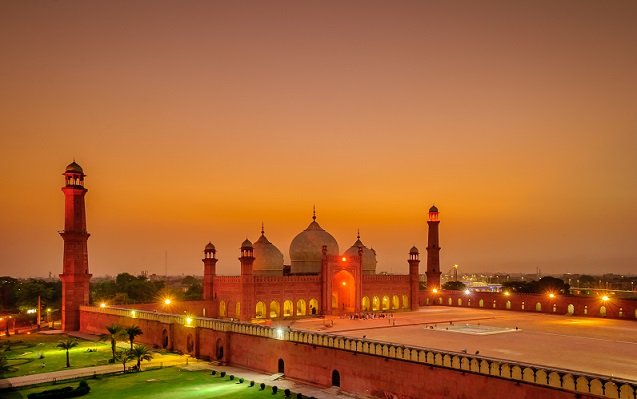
(582, 306)
(359, 373)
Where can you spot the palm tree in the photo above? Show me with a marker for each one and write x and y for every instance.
(115, 333)
(67, 344)
(141, 352)
(132, 332)
(123, 356)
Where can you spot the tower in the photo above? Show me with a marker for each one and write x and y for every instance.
(75, 277)
(414, 277)
(433, 251)
(209, 271)
(247, 282)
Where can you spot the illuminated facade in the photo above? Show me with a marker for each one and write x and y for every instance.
(320, 279)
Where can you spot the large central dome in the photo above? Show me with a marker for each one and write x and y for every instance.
(306, 249)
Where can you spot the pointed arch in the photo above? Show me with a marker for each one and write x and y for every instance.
(275, 310)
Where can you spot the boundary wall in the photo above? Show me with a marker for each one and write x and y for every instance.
(359, 366)
(616, 308)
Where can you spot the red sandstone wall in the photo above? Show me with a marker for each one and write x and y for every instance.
(582, 306)
(359, 373)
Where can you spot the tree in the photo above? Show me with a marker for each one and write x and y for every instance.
(67, 344)
(141, 352)
(115, 333)
(454, 286)
(123, 356)
(552, 284)
(132, 332)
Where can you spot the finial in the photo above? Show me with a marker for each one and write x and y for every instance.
(314, 213)
(358, 233)
(262, 230)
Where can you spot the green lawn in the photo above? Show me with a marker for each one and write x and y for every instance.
(24, 351)
(165, 383)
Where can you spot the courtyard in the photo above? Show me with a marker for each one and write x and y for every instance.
(592, 345)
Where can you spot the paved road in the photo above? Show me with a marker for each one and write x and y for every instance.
(593, 345)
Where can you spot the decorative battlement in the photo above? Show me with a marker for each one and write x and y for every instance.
(534, 374)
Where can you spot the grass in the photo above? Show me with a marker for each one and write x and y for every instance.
(165, 383)
(24, 351)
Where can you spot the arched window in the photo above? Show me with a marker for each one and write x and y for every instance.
(375, 303)
(570, 310)
(275, 310)
(406, 301)
(365, 305)
(222, 309)
(538, 307)
(237, 310)
(300, 307)
(494, 304)
(508, 305)
(459, 301)
(385, 302)
(450, 301)
(314, 306)
(287, 308)
(522, 305)
(260, 310)
(481, 303)
(395, 302)
(602, 311)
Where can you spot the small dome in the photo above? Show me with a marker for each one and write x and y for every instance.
(74, 168)
(369, 256)
(306, 249)
(433, 209)
(413, 250)
(268, 260)
(209, 247)
(246, 244)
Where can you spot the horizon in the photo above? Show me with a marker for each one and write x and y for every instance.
(196, 122)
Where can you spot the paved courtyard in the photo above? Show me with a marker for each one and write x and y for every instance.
(593, 345)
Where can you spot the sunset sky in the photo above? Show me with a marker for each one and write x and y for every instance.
(197, 120)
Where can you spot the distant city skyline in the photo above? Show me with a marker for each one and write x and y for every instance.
(197, 121)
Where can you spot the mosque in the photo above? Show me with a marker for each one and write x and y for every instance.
(320, 279)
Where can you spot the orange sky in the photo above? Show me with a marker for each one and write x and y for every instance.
(197, 120)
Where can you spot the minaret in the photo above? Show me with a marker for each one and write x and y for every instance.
(414, 277)
(75, 277)
(209, 271)
(247, 282)
(433, 251)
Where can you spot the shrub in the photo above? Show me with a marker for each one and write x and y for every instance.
(62, 393)
(274, 389)
(299, 395)
(231, 377)
(240, 380)
(251, 383)
(223, 374)
(262, 386)
(287, 392)
(214, 372)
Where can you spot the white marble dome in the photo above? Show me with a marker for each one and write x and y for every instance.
(306, 249)
(369, 256)
(268, 260)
